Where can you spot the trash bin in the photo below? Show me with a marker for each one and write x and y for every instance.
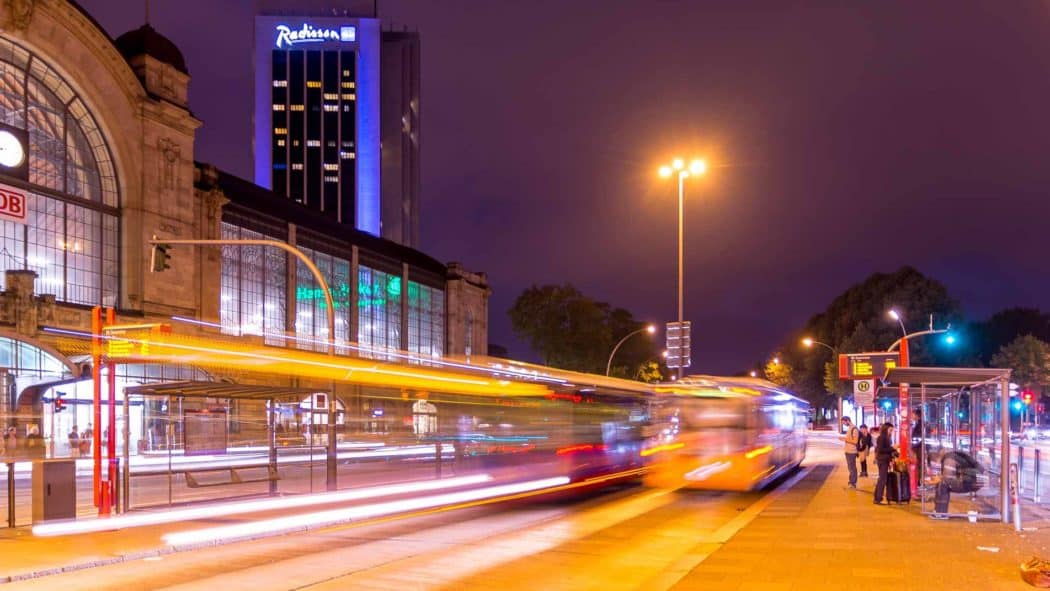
(54, 490)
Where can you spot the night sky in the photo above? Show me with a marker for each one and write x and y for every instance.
(844, 137)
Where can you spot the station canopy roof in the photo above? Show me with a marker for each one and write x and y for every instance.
(192, 389)
(945, 376)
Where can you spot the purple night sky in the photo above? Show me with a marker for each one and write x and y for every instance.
(844, 138)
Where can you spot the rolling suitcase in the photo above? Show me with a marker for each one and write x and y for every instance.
(893, 487)
(898, 487)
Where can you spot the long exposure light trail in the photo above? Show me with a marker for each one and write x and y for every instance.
(223, 509)
(336, 516)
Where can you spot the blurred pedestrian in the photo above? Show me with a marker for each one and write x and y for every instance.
(74, 443)
(918, 436)
(864, 449)
(850, 449)
(884, 452)
(86, 439)
(11, 440)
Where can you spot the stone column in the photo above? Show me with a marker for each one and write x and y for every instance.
(20, 306)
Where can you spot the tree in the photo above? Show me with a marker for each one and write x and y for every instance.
(1027, 356)
(779, 372)
(856, 321)
(1004, 327)
(572, 331)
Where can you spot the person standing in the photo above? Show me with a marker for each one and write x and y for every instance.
(74, 443)
(884, 453)
(850, 449)
(864, 449)
(918, 435)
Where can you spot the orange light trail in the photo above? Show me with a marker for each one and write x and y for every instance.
(660, 448)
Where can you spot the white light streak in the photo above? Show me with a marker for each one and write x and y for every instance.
(221, 509)
(322, 518)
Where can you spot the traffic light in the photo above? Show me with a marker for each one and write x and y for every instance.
(160, 257)
(60, 405)
(949, 339)
(1027, 397)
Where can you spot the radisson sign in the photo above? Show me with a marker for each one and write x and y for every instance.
(288, 37)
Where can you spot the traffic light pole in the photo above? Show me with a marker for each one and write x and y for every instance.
(330, 464)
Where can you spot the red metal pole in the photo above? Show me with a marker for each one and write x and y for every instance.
(905, 422)
(111, 427)
(96, 379)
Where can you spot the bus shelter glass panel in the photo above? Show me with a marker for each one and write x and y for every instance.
(955, 443)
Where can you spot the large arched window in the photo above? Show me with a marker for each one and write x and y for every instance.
(71, 232)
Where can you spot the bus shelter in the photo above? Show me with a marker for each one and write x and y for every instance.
(212, 434)
(963, 440)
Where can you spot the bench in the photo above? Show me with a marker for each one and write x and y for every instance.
(235, 478)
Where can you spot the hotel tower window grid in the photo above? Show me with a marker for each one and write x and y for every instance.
(313, 141)
(71, 235)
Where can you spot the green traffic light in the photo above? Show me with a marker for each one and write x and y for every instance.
(949, 339)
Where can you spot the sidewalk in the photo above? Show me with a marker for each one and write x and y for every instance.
(820, 535)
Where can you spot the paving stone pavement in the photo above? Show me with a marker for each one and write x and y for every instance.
(821, 535)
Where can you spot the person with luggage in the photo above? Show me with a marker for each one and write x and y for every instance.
(864, 446)
(850, 448)
(918, 435)
(884, 453)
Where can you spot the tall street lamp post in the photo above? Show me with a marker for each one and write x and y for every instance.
(649, 329)
(808, 343)
(905, 420)
(696, 168)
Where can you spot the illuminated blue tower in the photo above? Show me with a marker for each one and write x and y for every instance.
(317, 114)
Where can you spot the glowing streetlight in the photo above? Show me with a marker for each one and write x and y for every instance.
(754, 374)
(809, 342)
(649, 328)
(696, 168)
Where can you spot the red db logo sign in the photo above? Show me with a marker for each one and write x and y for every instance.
(13, 204)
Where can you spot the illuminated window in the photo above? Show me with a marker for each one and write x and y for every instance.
(280, 83)
(280, 143)
(296, 107)
(349, 96)
(253, 298)
(331, 108)
(331, 167)
(71, 234)
(346, 73)
(311, 314)
(346, 108)
(278, 107)
(280, 131)
(426, 320)
(331, 96)
(347, 155)
(313, 84)
(348, 85)
(378, 311)
(313, 143)
(331, 179)
(297, 166)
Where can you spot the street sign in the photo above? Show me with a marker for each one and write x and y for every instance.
(678, 344)
(866, 366)
(131, 340)
(863, 392)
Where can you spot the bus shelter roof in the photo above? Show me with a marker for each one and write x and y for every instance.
(945, 376)
(194, 389)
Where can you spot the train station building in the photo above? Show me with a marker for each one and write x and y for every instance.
(97, 158)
